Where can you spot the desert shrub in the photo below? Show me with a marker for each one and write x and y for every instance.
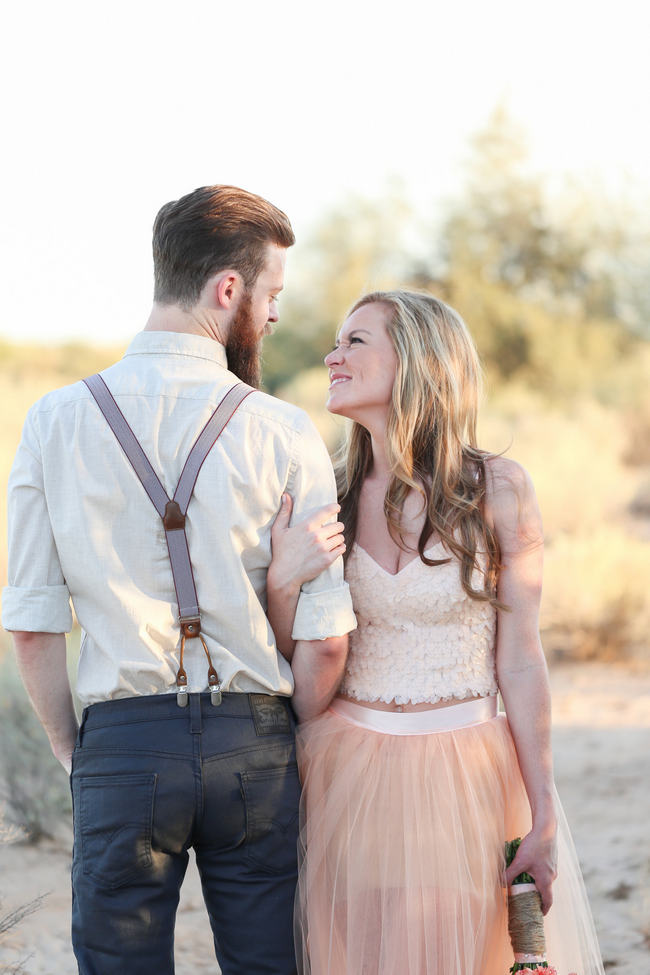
(573, 457)
(636, 451)
(10, 920)
(34, 787)
(640, 503)
(595, 603)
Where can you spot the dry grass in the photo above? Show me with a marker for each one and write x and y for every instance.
(596, 604)
(10, 920)
(573, 456)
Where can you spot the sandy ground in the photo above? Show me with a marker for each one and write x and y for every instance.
(602, 754)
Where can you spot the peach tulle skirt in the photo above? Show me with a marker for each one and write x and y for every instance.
(403, 826)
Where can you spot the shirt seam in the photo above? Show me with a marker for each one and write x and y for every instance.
(168, 353)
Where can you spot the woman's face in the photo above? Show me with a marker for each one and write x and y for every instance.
(363, 366)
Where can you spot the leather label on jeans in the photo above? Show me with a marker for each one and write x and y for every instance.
(270, 715)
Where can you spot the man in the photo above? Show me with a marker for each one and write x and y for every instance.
(159, 766)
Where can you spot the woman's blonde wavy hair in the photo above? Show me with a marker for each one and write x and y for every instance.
(430, 438)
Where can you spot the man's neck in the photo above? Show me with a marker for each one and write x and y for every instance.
(195, 321)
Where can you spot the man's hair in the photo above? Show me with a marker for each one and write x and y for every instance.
(209, 230)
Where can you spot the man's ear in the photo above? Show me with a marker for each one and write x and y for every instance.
(227, 289)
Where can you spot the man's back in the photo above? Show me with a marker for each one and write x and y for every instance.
(108, 539)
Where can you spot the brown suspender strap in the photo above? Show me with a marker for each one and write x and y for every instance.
(173, 510)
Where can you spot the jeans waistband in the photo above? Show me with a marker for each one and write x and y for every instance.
(155, 707)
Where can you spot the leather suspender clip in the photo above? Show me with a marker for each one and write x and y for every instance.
(181, 677)
(173, 519)
(192, 628)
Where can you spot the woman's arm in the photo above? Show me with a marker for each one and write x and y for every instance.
(521, 667)
(298, 554)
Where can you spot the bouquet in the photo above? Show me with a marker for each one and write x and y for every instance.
(526, 922)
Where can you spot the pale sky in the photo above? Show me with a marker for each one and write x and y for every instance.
(110, 110)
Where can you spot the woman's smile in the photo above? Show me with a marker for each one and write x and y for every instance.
(337, 378)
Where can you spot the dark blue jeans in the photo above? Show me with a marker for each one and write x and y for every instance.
(150, 780)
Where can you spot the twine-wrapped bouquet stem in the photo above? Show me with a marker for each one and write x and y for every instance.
(525, 920)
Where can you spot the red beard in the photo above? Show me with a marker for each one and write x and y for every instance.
(243, 348)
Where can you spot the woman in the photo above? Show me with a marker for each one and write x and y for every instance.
(412, 783)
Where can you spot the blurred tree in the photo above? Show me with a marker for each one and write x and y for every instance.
(550, 284)
(537, 279)
(505, 231)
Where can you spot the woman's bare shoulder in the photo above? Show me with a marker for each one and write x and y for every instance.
(504, 474)
(510, 500)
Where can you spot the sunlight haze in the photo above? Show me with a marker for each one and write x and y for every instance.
(115, 109)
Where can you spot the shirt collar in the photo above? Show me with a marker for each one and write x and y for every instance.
(178, 343)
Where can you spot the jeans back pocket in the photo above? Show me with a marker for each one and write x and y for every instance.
(271, 797)
(115, 814)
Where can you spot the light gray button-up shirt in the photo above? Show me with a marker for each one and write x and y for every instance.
(81, 527)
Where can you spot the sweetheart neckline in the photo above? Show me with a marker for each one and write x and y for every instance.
(394, 575)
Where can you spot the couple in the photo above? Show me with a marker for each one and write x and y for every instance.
(412, 783)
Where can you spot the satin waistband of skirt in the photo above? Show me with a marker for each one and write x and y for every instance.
(454, 716)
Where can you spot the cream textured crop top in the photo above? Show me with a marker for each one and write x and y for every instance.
(420, 637)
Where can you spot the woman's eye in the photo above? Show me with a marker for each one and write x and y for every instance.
(343, 345)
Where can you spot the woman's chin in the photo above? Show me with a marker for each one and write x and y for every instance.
(333, 404)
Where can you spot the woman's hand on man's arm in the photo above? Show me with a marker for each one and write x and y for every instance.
(302, 551)
(299, 553)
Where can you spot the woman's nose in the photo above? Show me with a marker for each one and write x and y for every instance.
(333, 357)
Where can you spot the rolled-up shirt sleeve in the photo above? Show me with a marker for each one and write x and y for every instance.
(327, 612)
(36, 598)
(325, 605)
